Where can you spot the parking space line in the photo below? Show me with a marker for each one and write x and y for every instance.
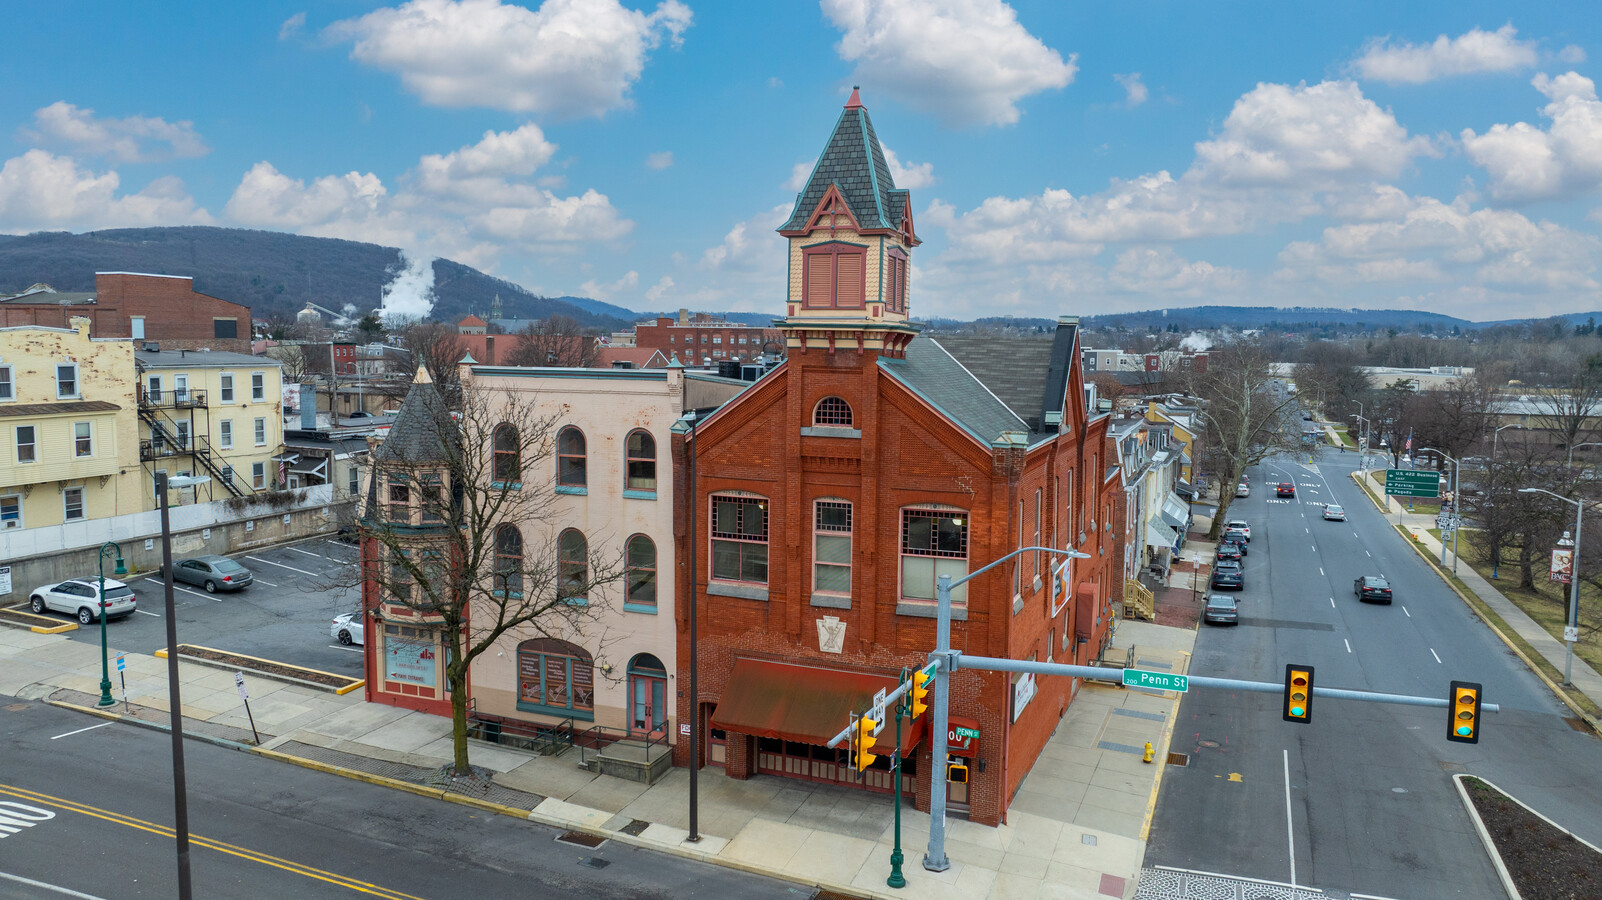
(143, 612)
(187, 590)
(343, 647)
(81, 730)
(307, 552)
(282, 566)
(1405, 612)
(339, 545)
(268, 583)
(1432, 651)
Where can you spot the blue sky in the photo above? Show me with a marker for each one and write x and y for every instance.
(1062, 157)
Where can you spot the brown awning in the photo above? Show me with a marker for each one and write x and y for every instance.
(805, 704)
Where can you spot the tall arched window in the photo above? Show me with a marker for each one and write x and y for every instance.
(573, 566)
(508, 562)
(641, 461)
(832, 411)
(508, 463)
(641, 555)
(555, 676)
(570, 462)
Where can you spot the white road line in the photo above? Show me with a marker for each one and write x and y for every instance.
(1348, 645)
(343, 647)
(81, 730)
(268, 583)
(1314, 546)
(1332, 603)
(307, 552)
(1321, 570)
(282, 566)
(147, 613)
(1408, 614)
(1305, 528)
(187, 590)
(1432, 651)
(339, 545)
(1290, 825)
(55, 888)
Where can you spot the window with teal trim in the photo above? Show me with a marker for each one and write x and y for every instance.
(641, 461)
(507, 464)
(571, 468)
(556, 677)
(641, 574)
(508, 562)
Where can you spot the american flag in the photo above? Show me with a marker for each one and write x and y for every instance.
(1409, 445)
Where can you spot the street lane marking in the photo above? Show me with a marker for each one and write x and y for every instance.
(145, 612)
(1348, 645)
(1314, 546)
(56, 888)
(1369, 555)
(1432, 651)
(276, 862)
(1406, 613)
(81, 730)
(1320, 569)
(1290, 825)
(1332, 603)
(282, 566)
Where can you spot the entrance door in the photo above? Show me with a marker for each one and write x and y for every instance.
(647, 696)
(155, 389)
(180, 389)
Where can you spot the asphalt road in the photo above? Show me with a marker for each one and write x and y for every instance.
(285, 615)
(97, 809)
(1359, 799)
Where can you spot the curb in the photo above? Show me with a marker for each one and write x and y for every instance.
(1161, 752)
(54, 627)
(161, 653)
(1485, 836)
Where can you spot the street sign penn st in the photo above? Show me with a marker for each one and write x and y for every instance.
(1409, 483)
(1160, 681)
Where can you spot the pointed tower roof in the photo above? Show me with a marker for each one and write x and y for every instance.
(421, 428)
(853, 162)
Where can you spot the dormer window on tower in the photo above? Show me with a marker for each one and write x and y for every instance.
(832, 275)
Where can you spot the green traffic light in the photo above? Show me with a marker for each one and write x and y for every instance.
(1464, 730)
(1297, 711)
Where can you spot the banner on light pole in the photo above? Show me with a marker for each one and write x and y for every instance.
(1563, 565)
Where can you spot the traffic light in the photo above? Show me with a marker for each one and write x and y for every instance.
(957, 773)
(862, 740)
(920, 693)
(1464, 724)
(1298, 693)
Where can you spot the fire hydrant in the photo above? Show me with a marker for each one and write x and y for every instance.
(1149, 752)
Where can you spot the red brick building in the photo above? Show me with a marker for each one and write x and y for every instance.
(162, 308)
(832, 494)
(696, 337)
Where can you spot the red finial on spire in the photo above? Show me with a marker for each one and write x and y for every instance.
(856, 99)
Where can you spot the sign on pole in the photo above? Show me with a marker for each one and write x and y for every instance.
(877, 713)
(1161, 681)
(1409, 483)
(239, 682)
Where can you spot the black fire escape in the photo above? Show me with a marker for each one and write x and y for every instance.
(171, 417)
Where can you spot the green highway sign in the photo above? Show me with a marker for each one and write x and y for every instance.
(1409, 483)
(1161, 681)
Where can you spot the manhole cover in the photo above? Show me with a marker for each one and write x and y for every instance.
(581, 839)
(595, 862)
(1179, 759)
(1211, 745)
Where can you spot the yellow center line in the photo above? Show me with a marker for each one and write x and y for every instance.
(209, 843)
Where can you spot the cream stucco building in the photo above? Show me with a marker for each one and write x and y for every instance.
(214, 413)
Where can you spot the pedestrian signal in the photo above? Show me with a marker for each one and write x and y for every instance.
(957, 773)
(1298, 693)
(1465, 713)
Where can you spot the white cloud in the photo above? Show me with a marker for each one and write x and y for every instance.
(1134, 90)
(751, 244)
(657, 291)
(1469, 53)
(659, 161)
(292, 26)
(966, 61)
(131, 139)
(1571, 55)
(608, 292)
(42, 191)
(799, 174)
(1161, 271)
(568, 58)
(1526, 163)
(910, 176)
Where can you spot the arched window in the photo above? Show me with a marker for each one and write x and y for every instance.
(555, 676)
(832, 411)
(641, 574)
(641, 461)
(508, 562)
(570, 463)
(508, 463)
(646, 664)
(573, 566)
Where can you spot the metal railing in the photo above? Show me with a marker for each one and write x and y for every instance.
(538, 737)
(596, 739)
(177, 398)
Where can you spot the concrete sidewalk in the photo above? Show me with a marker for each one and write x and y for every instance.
(1077, 827)
(1585, 678)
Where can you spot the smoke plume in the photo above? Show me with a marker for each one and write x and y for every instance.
(410, 294)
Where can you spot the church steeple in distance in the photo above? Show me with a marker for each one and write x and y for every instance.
(851, 237)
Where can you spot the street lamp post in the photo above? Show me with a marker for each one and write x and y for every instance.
(1578, 446)
(1572, 630)
(180, 795)
(1362, 440)
(897, 879)
(105, 664)
(1498, 434)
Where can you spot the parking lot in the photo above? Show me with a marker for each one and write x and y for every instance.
(284, 616)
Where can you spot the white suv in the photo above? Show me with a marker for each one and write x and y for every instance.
(80, 595)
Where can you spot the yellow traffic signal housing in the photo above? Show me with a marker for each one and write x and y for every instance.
(1298, 693)
(862, 740)
(957, 773)
(920, 693)
(1464, 725)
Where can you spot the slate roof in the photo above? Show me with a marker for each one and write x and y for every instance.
(197, 359)
(936, 376)
(421, 428)
(853, 160)
(1028, 375)
(57, 409)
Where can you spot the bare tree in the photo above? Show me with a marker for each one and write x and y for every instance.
(1110, 388)
(438, 348)
(1454, 418)
(1573, 400)
(297, 366)
(1245, 420)
(554, 341)
(460, 535)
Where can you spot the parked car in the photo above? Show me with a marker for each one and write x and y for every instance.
(1241, 490)
(1222, 609)
(1229, 550)
(81, 597)
(1227, 574)
(1285, 489)
(1237, 537)
(1372, 587)
(1334, 513)
(1240, 526)
(212, 572)
(347, 629)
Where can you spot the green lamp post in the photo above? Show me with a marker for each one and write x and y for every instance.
(896, 879)
(105, 663)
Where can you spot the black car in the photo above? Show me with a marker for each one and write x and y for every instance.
(1221, 610)
(1372, 588)
(1227, 574)
(1229, 550)
(1236, 536)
